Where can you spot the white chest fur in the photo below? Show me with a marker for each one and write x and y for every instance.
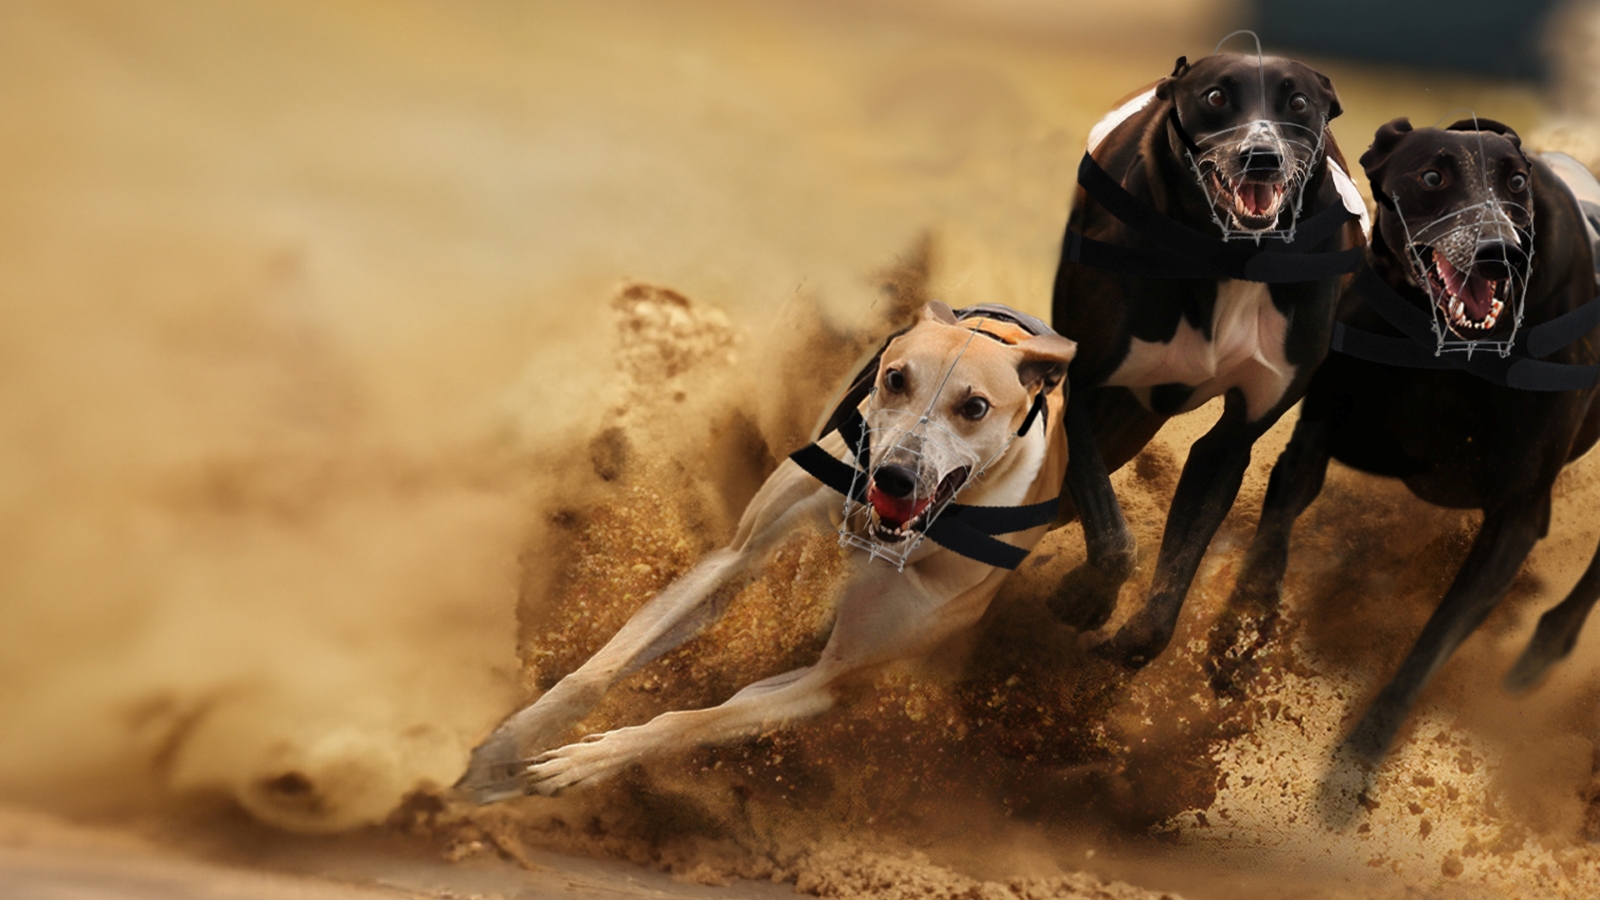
(1245, 352)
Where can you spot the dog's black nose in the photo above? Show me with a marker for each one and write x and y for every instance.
(1493, 259)
(896, 481)
(1260, 158)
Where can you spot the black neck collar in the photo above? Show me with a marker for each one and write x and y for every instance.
(967, 530)
(1181, 252)
(1520, 368)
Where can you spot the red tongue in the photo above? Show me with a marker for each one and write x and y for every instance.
(894, 511)
(1257, 197)
(1474, 291)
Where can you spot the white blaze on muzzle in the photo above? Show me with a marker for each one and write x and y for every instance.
(904, 469)
(1228, 164)
(931, 461)
(1222, 163)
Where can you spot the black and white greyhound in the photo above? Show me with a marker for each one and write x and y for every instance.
(1467, 370)
(1204, 256)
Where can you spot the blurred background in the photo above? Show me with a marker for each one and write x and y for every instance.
(299, 300)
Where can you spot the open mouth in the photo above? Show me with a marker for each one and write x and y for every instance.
(1253, 205)
(1471, 302)
(895, 519)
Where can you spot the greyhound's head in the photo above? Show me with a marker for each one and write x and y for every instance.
(1253, 129)
(948, 401)
(1456, 206)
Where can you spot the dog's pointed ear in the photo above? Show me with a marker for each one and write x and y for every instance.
(1045, 358)
(1490, 125)
(1335, 110)
(1383, 143)
(1164, 86)
(938, 311)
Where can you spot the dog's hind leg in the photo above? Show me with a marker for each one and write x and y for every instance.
(1503, 543)
(677, 614)
(1248, 621)
(1087, 595)
(1206, 491)
(1557, 632)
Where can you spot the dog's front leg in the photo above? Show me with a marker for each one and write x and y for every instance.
(1296, 480)
(1086, 596)
(1503, 543)
(681, 611)
(883, 616)
(761, 706)
(1206, 491)
(1557, 632)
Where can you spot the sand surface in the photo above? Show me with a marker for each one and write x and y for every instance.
(366, 365)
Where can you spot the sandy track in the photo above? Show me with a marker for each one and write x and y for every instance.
(331, 435)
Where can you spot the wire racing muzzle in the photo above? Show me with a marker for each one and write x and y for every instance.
(1254, 175)
(1471, 295)
(908, 470)
(1471, 290)
(916, 467)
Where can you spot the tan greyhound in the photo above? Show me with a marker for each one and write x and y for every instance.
(966, 403)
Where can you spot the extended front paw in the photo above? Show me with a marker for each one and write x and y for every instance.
(495, 771)
(592, 759)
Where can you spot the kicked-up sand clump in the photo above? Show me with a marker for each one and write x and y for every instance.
(835, 805)
(1015, 751)
(285, 532)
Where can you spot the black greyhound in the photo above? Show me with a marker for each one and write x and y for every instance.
(1204, 256)
(1477, 245)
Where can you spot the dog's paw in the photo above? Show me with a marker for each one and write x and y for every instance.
(494, 772)
(1232, 662)
(1137, 643)
(1368, 743)
(1552, 641)
(592, 759)
(1238, 638)
(1085, 598)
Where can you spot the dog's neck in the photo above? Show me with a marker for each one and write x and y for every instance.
(1168, 182)
(1394, 269)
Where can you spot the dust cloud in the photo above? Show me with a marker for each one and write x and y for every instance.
(365, 367)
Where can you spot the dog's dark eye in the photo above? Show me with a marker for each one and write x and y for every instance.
(1215, 97)
(1298, 103)
(1432, 178)
(975, 408)
(894, 380)
(1517, 182)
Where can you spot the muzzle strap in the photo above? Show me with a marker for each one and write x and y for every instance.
(831, 471)
(1182, 252)
(1548, 337)
(960, 528)
(1181, 132)
(1038, 407)
(1520, 369)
